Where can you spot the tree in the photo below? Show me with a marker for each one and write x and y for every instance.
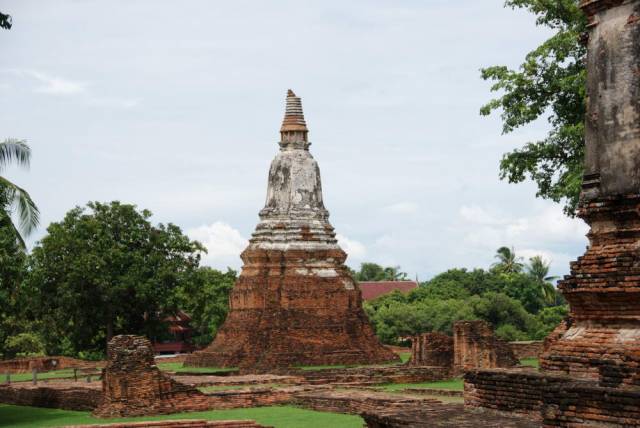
(14, 199)
(508, 262)
(106, 270)
(375, 272)
(5, 21)
(12, 271)
(539, 270)
(206, 300)
(550, 81)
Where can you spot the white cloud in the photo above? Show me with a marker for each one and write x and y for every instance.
(355, 249)
(223, 243)
(56, 85)
(402, 208)
(547, 233)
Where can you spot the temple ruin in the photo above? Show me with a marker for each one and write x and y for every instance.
(132, 385)
(295, 302)
(591, 363)
(472, 346)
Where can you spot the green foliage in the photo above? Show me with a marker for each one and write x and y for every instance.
(106, 270)
(508, 262)
(206, 298)
(511, 300)
(375, 272)
(14, 199)
(12, 270)
(23, 345)
(549, 318)
(550, 81)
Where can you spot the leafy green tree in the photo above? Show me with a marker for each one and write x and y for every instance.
(14, 199)
(106, 270)
(539, 270)
(508, 262)
(206, 299)
(549, 318)
(549, 83)
(12, 271)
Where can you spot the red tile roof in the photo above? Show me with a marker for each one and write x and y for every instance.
(373, 289)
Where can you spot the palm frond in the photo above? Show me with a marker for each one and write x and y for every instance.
(18, 198)
(14, 150)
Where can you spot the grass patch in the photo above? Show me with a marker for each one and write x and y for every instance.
(451, 385)
(531, 362)
(178, 368)
(22, 377)
(404, 356)
(214, 388)
(278, 417)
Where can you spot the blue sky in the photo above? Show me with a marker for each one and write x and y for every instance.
(176, 106)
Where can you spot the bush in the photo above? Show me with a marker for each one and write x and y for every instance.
(24, 345)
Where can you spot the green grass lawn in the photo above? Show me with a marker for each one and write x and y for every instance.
(533, 362)
(451, 384)
(21, 377)
(178, 368)
(405, 356)
(278, 417)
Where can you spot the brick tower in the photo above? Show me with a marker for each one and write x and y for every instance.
(602, 338)
(295, 302)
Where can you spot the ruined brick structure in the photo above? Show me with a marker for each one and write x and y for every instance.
(132, 385)
(527, 348)
(473, 346)
(476, 346)
(431, 349)
(591, 362)
(295, 302)
(603, 340)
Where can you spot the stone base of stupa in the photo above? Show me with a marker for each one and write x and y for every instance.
(601, 340)
(293, 308)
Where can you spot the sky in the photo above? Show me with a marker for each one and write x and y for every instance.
(176, 107)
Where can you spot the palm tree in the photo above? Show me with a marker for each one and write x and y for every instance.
(14, 199)
(508, 262)
(539, 270)
(393, 273)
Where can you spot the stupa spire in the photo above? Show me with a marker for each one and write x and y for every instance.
(293, 132)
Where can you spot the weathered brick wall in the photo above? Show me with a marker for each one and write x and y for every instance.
(374, 375)
(431, 349)
(475, 346)
(26, 365)
(507, 391)
(557, 401)
(570, 405)
(71, 398)
(186, 423)
(527, 349)
(132, 385)
(356, 402)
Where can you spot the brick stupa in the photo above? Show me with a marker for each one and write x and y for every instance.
(590, 369)
(295, 302)
(601, 341)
